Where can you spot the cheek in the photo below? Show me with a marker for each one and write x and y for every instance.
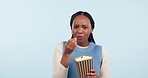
(73, 32)
(88, 33)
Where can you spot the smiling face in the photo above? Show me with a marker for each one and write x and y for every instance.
(81, 29)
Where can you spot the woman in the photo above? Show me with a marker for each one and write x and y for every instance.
(81, 43)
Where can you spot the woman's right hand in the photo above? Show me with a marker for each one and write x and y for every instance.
(70, 46)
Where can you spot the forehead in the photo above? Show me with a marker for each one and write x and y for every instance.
(81, 19)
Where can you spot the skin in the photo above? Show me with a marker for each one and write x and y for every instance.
(81, 29)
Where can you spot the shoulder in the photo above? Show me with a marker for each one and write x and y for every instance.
(105, 53)
(104, 50)
(96, 45)
(59, 46)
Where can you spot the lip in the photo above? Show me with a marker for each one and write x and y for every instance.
(80, 37)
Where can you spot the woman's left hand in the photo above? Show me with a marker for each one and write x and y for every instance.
(92, 74)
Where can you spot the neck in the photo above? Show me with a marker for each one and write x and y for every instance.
(83, 44)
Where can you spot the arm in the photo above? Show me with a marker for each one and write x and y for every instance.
(59, 71)
(105, 69)
(69, 47)
(61, 60)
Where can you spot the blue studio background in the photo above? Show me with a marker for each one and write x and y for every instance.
(30, 29)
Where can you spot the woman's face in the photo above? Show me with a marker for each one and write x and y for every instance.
(81, 29)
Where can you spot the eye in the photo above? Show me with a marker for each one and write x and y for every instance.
(85, 27)
(75, 26)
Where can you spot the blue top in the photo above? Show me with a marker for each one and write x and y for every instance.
(92, 50)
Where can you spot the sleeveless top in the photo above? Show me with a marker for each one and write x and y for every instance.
(92, 50)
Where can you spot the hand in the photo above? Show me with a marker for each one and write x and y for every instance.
(92, 74)
(70, 46)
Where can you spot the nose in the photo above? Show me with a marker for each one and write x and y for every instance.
(80, 30)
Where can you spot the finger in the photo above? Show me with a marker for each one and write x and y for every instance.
(68, 42)
(87, 76)
(72, 42)
(90, 74)
(95, 74)
(93, 71)
(74, 39)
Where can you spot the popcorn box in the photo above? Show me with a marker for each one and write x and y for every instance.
(83, 64)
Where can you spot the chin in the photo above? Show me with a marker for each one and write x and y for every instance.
(80, 41)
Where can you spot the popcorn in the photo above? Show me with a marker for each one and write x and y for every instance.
(84, 64)
(75, 39)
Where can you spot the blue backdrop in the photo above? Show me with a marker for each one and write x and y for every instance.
(30, 29)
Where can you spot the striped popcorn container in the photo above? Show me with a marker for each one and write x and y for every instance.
(83, 64)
